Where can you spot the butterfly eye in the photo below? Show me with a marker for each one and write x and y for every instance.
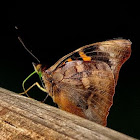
(37, 67)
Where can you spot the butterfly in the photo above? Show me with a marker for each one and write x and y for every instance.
(83, 81)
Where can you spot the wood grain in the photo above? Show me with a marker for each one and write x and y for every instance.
(22, 118)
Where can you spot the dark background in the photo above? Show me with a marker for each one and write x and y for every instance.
(51, 30)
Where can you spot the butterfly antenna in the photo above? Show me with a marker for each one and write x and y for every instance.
(19, 38)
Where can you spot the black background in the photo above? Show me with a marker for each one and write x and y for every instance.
(53, 29)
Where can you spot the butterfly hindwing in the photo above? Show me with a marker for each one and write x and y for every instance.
(85, 89)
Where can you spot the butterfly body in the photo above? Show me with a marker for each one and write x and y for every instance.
(83, 82)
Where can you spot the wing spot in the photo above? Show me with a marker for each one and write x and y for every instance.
(84, 56)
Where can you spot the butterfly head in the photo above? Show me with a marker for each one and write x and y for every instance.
(38, 69)
(44, 76)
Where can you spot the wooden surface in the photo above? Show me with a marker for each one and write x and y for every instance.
(22, 118)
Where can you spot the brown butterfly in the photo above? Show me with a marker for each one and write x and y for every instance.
(83, 81)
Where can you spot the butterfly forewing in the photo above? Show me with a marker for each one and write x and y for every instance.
(113, 52)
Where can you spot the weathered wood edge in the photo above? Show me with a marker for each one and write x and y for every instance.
(24, 118)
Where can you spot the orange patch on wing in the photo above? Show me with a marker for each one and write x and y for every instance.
(69, 59)
(84, 56)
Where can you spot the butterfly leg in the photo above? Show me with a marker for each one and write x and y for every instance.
(35, 84)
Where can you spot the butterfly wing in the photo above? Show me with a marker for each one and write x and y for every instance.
(85, 89)
(113, 52)
(84, 80)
